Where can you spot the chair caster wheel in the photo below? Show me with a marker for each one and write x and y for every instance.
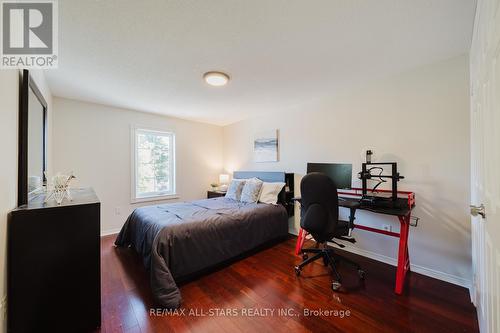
(336, 285)
(297, 270)
(305, 256)
(361, 274)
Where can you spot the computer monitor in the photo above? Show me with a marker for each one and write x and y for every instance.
(341, 174)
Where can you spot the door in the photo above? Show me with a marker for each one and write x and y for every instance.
(485, 163)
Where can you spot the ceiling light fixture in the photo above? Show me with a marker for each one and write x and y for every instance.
(216, 79)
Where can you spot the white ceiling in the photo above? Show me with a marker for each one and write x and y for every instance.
(150, 55)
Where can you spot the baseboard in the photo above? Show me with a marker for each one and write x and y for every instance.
(110, 232)
(457, 280)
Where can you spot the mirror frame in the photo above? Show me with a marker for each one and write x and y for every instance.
(25, 84)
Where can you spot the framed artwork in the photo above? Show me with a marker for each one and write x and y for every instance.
(266, 146)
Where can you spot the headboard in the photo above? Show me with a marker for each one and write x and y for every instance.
(265, 176)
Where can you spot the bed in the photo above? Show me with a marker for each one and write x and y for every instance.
(178, 240)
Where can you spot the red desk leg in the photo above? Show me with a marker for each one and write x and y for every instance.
(403, 256)
(300, 241)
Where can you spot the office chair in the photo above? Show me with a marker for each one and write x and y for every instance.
(320, 217)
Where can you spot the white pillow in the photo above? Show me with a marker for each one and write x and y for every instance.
(251, 190)
(235, 188)
(269, 192)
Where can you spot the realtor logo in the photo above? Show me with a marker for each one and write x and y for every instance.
(29, 34)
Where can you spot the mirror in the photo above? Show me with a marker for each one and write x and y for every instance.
(32, 139)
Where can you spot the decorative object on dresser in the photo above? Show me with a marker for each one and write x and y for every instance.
(59, 188)
(215, 194)
(53, 265)
(266, 146)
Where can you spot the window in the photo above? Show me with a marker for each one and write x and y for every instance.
(153, 165)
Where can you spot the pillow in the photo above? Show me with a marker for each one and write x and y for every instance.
(269, 192)
(235, 188)
(251, 190)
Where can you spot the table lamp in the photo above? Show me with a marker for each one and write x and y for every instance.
(223, 180)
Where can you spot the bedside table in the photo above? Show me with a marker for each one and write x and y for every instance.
(215, 194)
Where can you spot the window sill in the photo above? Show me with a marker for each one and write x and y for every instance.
(155, 198)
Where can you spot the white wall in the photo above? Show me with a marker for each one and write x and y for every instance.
(418, 119)
(93, 141)
(9, 89)
(9, 114)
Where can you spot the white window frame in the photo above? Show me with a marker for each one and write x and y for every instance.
(153, 196)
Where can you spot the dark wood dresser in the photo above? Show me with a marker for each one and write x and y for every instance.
(53, 265)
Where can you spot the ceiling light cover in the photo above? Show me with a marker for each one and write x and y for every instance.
(216, 79)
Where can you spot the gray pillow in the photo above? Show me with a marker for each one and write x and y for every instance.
(235, 188)
(251, 190)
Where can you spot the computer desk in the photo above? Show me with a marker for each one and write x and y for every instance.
(401, 209)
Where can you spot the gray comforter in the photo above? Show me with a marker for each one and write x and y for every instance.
(179, 239)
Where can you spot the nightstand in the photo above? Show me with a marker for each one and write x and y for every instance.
(215, 194)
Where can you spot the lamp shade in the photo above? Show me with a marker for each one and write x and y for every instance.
(223, 178)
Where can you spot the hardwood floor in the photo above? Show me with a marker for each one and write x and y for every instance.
(260, 285)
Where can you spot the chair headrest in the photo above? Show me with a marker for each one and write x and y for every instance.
(317, 187)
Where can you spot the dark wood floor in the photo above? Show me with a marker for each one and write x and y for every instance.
(266, 281)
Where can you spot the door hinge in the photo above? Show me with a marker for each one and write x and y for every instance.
(478, 210)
